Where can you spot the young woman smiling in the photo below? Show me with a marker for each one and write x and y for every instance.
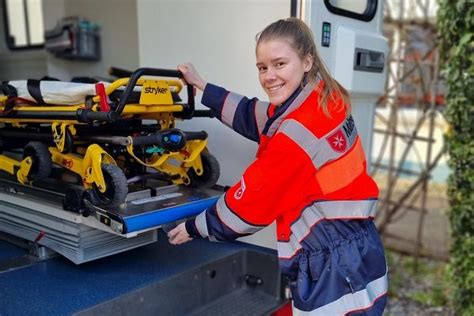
(309, 176)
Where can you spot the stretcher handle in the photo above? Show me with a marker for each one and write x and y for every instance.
(89, 116)
(203, 113)
(172, 139)
(119, 72)
(201, 135)
(188, 111)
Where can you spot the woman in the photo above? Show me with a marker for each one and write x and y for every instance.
(309, 176)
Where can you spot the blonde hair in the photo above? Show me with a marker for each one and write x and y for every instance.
(300, 37)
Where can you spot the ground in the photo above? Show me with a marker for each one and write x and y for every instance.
(417, 287)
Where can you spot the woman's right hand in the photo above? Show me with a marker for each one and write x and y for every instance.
(191, 76)
(179, 235)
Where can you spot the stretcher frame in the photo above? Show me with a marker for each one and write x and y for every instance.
(105, 141)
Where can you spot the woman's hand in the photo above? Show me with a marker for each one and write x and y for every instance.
(178, 235)
(191, 76)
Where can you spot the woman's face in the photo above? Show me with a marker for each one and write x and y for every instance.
(280, 69)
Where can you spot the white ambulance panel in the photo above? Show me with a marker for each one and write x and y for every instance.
(349, 38)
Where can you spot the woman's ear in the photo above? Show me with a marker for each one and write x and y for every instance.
(308, 63)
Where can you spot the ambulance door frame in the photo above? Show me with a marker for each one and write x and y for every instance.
(364, 60)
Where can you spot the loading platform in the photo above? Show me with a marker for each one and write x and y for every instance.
(87, 233)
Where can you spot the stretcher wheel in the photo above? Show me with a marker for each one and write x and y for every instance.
(210, 174)
(116, 187)
(41, 160)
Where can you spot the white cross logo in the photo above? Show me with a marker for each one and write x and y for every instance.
(338, 141)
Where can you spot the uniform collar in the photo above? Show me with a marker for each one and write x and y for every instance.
(291, 104)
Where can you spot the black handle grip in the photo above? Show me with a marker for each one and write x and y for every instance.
(154, 72)
(152, 139)
(195, 135)
(172, 139)
(89, 116)
(203, 113)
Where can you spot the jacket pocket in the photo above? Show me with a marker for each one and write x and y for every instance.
(303, 284)
(317, 264)
(310, 269)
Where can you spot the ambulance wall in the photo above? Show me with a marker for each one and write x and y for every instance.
(20, 64)
(218, 37)
(119, 35)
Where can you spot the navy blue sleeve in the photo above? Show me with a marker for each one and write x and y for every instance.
(209, 225)
(191, 229)
(220, 222)
(246, 116)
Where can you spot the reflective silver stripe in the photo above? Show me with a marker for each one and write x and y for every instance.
(261, 115)
(287, 249)
(317, 149)
(307, 90)
(229, 107)
(359, 300)
(323, 210)
(233, 221)
(201, 225)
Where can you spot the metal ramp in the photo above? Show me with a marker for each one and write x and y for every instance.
(41, 219)
(71, 235)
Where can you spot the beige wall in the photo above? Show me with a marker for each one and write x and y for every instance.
(119, 35)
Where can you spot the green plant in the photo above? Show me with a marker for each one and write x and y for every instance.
(421, 280)
(396, 280)
(455, 28)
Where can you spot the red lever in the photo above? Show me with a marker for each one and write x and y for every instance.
(100, 90)
(40, 235)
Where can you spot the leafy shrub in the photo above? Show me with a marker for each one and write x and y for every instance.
(455, 29)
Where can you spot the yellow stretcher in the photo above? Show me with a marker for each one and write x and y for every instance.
(121, 135)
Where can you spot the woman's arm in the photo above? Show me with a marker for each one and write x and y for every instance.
(271, 186)
(247, 116)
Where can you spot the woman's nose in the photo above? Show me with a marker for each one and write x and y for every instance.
(271, 74)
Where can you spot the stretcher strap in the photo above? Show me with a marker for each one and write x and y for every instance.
(11, 93)
(8, 90)
(33, 87)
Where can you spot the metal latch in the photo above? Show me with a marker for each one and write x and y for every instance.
(368, 60)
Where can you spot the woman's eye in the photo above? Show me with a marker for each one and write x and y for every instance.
(262, 69)
(280, 64)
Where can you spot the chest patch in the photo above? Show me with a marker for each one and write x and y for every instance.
(343, 137)
(337, 141)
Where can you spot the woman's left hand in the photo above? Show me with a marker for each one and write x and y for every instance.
(179, 235)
